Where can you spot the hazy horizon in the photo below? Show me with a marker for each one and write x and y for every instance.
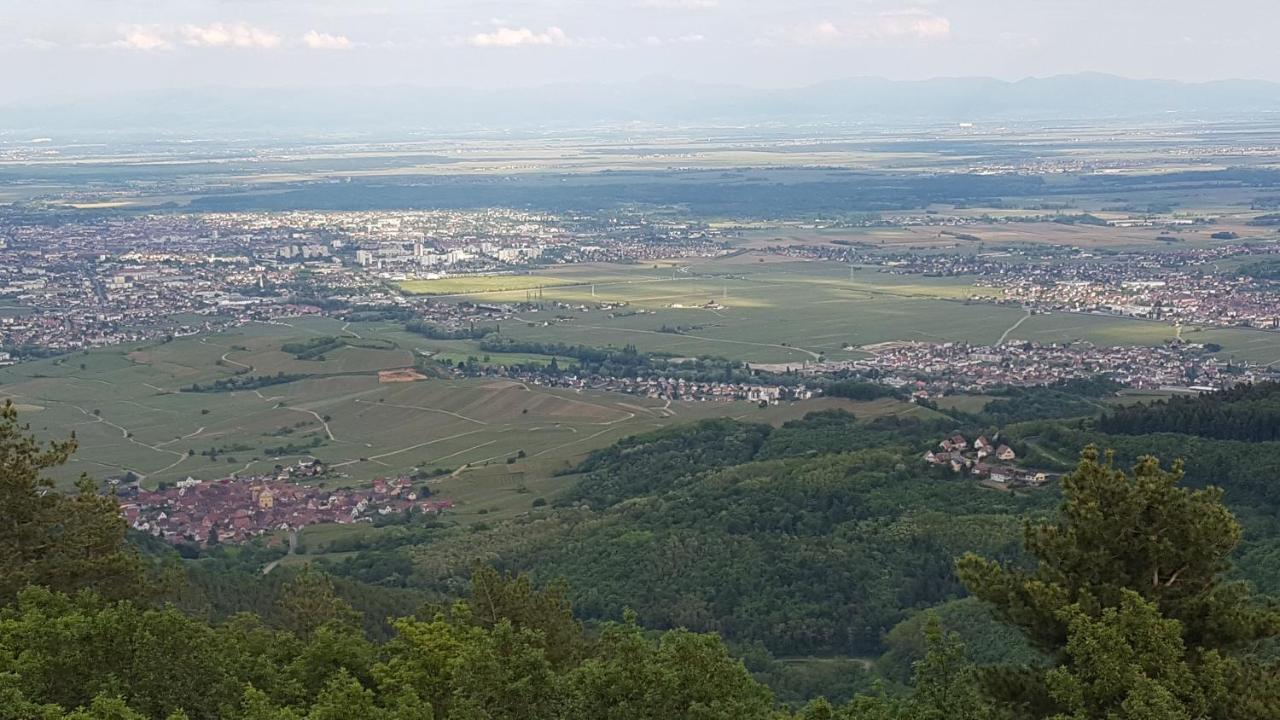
(66, 50)
(655, 103)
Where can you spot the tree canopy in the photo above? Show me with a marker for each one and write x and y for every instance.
(65, 542)
(1125, 600)
(1128, 587)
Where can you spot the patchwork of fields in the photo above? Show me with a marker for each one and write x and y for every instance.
(770, 312)
(131, 411)
(499, 442)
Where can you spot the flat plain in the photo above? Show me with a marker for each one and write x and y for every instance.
(132, 409)
(744, 308)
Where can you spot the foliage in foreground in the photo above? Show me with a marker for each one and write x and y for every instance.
(59, 652)
(65, 542)
(1129, 600)
(1126, 601)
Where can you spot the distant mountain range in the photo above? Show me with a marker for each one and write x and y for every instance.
(374, 110)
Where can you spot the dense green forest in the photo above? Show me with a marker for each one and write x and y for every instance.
(1070, 398)
(317, 348)
(1245, 412)
(683, 575)
(758, 193)
(818, 537)
(814, 538)
(626, 361)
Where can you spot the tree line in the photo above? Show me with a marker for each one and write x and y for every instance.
(244, 382)
(1248, 412)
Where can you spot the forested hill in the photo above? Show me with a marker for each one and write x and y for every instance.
(813, 538)
(1226, 439)
(1229, 438)
(819, 537)
(1127, 614)
(655, 462)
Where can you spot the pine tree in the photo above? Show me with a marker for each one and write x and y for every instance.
(1126, 538)
(63, 542)
(496, 597)
(946, 686)
(309, 602)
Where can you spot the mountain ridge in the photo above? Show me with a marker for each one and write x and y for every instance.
(650, 102)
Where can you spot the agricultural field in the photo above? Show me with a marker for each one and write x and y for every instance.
(132, 411)
(996, 236)
(776, 312)
(499, 445)
(469, 284)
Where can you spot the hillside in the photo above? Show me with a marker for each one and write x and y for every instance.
(813, 538)
(1127, 613)
(817, 537)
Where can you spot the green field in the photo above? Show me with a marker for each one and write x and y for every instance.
(129, 413)
(469, 284)
(792, 311)
(130, 410)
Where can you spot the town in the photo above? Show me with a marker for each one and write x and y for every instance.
(237, 509)
(1171, 286)
(924, 370)
(95, 283)
(935, 369)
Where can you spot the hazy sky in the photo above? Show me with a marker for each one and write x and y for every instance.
(73, 48)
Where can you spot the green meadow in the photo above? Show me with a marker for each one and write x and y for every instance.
(740, 308)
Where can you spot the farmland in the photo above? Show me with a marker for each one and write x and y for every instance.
(790, 311)
(478, 283)
(131, 411)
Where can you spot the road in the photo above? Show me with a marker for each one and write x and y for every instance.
(293, 549)
(1015, 326)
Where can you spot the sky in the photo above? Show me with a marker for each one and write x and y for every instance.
(69, 49)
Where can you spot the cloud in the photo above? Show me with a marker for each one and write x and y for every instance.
(324, 41)
(37, 43)
(143, 39)
(819, 33)
(1018, 41)
(222, 35)
(914, 25)
(233, 35)
(680, 4)
(655, 41)
(505, 37)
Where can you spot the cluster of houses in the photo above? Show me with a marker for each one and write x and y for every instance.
(990, 461)
(658, 388)
(239, 509)
(304, 469)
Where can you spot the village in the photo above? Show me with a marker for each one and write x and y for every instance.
(668, 388)
(1171, 286)
(1180, 298)
(931, 370)
(237, 509)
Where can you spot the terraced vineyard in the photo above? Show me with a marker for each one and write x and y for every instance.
(133, 411)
